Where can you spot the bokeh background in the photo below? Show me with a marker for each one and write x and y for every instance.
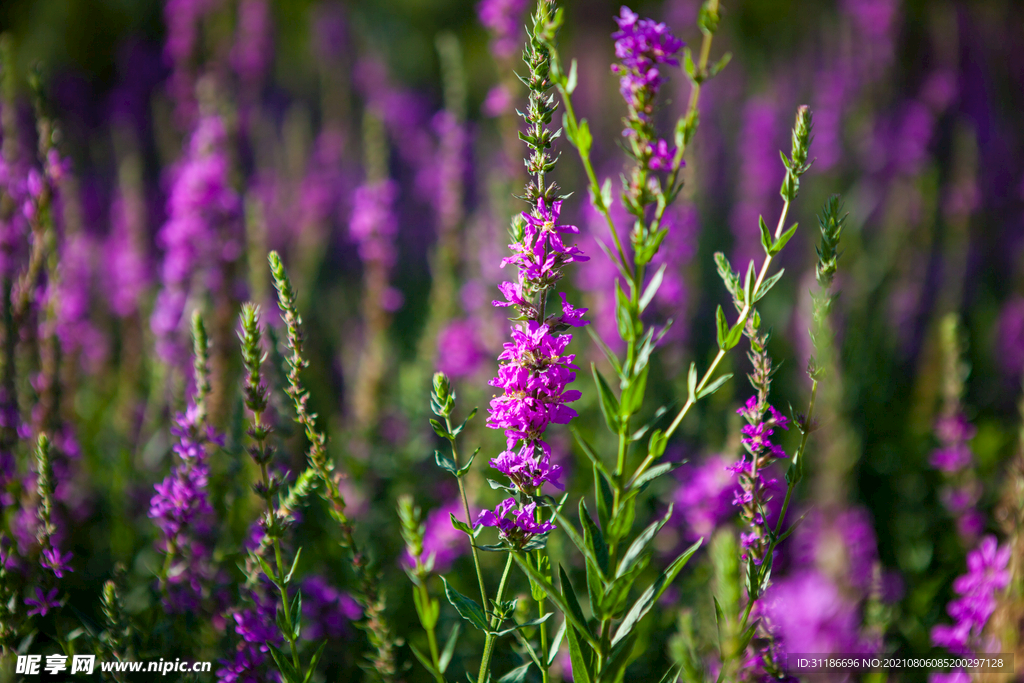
(399, 115)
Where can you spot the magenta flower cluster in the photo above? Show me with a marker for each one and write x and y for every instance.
(520, 527)
(961, 491)
(986, 574)
(642, 46)
(535, 368)
(750, 496)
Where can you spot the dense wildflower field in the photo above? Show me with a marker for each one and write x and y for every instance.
(512, 340)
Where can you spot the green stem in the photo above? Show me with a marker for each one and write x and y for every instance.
(469, 519)
(485, 663)
(283, 587)
(431, 636)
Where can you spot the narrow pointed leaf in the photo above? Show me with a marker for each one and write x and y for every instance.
(467, 608)
(588, 450)
(465, 468)
(313, 661)
(295, 563)
(618, 659)
(766, 236)
(603, 497)
(783, 239)
(691, 382)
(556, 642)
(767, 284)
(570, 599)
(449, 647)
(570, 531)
(655, 472)
(570, 81)
(556, 597)
(608, 353)
(609, 404)
(714, 386)
(445, 463)
(649, 597)
(722, 328)
(652, 287)
(637, 547)
(593, 537)
(424, 660)
(517, 675)
(633, 395)
(577, 658)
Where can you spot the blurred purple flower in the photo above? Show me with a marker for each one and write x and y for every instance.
(759, 178)
(440, 539)
(1010, 336)
(459, 350)
(703, 499)
(373, 224)
(253, 49)
(327, 610)
(986, 574)
(504, 19)
(497, 102)
(53, 559)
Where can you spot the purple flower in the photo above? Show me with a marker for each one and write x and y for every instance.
(704, 497)
(986, 573)
(202, 209)
(807, 613)
(373, 224)
(534, 379)
(441, 541)
(520, 528)
(52, 559)
(641, 45)
(528, 470)
(660, 156)
(253, 50)
(504, 19)
(43, 603)
(459, 351)
(247, 666)
(327, 610)
(572, 316)
(541, 253)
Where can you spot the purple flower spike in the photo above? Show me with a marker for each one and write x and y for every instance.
(43, 603)
(641, 45)
(520, 528)
(986, 574)
(52, 559)
(527, 472)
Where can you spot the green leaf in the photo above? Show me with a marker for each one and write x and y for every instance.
(556, 597)
(652, 287)
(624, 314)
(783, 239)
(593, 537)
(467, 608)
(602, 497)
(595, 589)
(618, 659)
(609, 404)
(570, 531)
(445, 463)
(465, 468)
(730, 277)
(606, 192)
(714, 386)
(734, 335)
(440, 429)
(748, 283)
(615, 597)
(284, 664)
(570, 598)
(265, 567)
(556, 642)
(621, 523)
(570, 82)
(583, 137)
(543, 565)
(313, 661)
(633, 394)
(691, 382)
(639, 544)
(612, 358)
(297, 615)
(424, 660)
(526, 624)
(657, 444)
(658, 414)
(449, 647)
(717, 67)
(295, 563)
(721, 624)
(580, 669)
(672, 675)
(518, 675)
(463, 527)
(766, 236)
(722, 328)
(649, 597)
(767, 284)
(458, 430)
(655, 472)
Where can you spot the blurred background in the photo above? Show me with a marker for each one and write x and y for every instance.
(374, 145)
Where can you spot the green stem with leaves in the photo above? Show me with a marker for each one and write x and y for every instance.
(485, 663)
